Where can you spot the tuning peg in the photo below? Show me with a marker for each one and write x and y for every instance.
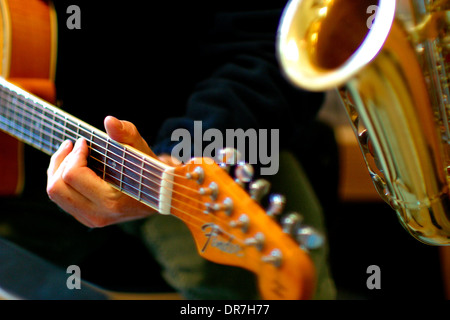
(243, 222)
(212, 190)
(276, 206)
(227, 157)
(258, 189)
(275, 257)
(244, 173)
(257, 241)
(291, 222)
(309, 238)
(198, 175)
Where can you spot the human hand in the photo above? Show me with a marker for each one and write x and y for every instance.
(84, 195)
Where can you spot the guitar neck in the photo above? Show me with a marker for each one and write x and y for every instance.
(44, 127)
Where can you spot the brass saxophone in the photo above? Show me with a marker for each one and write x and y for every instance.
(390, 62)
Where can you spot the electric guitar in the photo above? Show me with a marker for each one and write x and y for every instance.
(228, 225)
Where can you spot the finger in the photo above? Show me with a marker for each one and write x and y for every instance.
(71, 201)
(58, 157)
(127, 133)
(82, 179)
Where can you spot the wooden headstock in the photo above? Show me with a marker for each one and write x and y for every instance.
(231, 228)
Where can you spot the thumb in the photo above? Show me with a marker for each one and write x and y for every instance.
(126, 132)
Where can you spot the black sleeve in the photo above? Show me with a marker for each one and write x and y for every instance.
(242, 84)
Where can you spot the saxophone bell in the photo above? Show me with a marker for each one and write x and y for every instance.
(391, 74)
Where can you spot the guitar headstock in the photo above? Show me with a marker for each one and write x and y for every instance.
(230, 227)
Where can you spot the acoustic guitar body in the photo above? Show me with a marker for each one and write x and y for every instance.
(28, 39)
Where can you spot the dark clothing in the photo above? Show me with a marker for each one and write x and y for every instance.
(162, 65)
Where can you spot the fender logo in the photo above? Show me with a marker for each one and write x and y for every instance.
(214, 238)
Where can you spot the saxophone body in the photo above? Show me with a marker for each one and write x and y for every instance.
(390, 62)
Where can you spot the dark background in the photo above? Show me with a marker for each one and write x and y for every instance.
(360, 234)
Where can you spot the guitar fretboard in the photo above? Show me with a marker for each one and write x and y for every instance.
(45, 127)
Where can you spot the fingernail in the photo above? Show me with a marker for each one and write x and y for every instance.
(78, 143)
(66, 144)
(117, 122)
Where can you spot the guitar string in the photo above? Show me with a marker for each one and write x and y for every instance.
(124, 160)
(230, 235)
(125, 151)
(18, 97)
(64, 118)
(27, 137)
(140, 192)
(131, 178)
(64, 130)
(184, 212)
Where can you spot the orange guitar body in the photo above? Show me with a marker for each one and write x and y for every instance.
(28, 33)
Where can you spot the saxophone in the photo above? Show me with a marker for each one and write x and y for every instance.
(389, 60)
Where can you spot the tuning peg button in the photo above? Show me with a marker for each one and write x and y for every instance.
(257, 241)
(309, 238)
(197, 174)
(277, 202)
(258, 189)
(244, 173)
(243, 222)
(227, 157)
(212, 190)
(226, 206)
(291, 222)
(274, 258)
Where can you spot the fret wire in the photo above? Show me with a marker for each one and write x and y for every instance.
(19, 118)
(55, 129)
(140, 179)
(140, 182)
(8, 120)
(60, 140)
(173, 199)
(35, 125)
(131, 178)
(196, 217)
(41, 123)
(56, 121)
(23, 134)
(121, 168)
(132, 186)
(157, 199)
(26, 136)
(58, 116)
